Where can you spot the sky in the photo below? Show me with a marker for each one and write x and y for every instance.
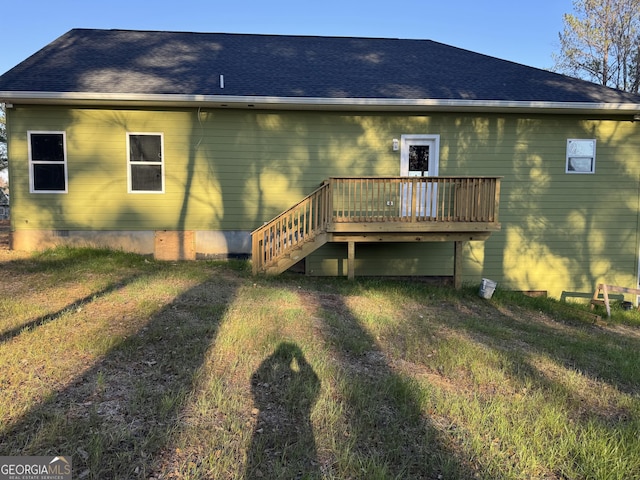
(522, 32)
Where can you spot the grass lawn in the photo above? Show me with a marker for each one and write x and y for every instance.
(197, 370)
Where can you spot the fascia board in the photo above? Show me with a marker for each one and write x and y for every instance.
(313, 103)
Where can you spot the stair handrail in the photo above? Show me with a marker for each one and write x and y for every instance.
(296, 225)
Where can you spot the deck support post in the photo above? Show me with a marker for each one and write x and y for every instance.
(457, 265)
(351, 260)
(354, 209)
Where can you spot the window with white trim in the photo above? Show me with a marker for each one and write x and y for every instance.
(145, 162)
(47, 162)
(581, 155)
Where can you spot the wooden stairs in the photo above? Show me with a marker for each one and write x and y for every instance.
(291, 236)
(365, 209)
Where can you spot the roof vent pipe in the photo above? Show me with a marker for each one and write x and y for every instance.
(221, 81)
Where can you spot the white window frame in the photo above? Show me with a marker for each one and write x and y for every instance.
(581, 149)
(32, 162)
(130, 163)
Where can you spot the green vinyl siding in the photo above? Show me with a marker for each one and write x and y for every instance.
(240, 168)
(229, 169)
(564, 232)
(387, 259)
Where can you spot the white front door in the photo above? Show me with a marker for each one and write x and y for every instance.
(419, 157)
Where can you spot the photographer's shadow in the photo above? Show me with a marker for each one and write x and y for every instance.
(284, 388)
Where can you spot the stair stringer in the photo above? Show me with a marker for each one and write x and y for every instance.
(295, 254)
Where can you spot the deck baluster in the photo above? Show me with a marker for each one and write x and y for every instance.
(387, 206)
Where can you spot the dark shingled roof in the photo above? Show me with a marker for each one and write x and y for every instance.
(146, 62)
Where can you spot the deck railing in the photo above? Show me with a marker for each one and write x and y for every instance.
(415, 199)
(399, 200)
(298, 224)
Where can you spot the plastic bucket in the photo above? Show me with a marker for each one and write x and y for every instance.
(487, 287)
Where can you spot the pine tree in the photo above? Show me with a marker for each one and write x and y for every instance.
(601, 43)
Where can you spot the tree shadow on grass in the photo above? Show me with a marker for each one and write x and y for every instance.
(600, 353)
(573, 370)
(114, 418)
(7, 335)
(56, 275)
(386, 434)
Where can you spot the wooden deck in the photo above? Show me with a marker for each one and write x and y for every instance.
(379, 209)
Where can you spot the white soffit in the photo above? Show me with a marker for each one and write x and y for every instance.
(309, 103)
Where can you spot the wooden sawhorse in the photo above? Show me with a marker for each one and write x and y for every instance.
(605, 290)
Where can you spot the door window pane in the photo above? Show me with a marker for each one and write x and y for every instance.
(419, 159)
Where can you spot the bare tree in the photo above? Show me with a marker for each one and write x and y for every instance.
(600, 42)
